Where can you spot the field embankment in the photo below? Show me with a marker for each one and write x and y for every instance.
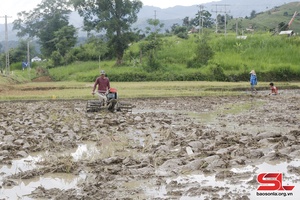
(11, 89)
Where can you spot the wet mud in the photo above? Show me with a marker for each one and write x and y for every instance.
(167, 148)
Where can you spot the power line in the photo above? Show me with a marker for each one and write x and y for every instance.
(221, 11)
(216, 11)
(200, 18)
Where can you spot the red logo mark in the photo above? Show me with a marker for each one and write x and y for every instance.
(271, 182)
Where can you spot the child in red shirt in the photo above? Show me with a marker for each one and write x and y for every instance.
(274, 89)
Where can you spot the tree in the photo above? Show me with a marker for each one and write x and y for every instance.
(152, 44)
(203, 53)
(253, 14)
(174, 26)
(222, 20)
(43, 22)
(181, 32)
(112, 16)
(186, 22)
(19, 53)
(63, 39)
(94, 48)
(155, 26)
(205, 19)
(282, 26)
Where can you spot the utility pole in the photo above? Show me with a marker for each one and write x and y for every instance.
(225, 11)
(236, 27)
(28, 58)
(28, 54)
(216, 11)
(7, 68)
(200, 19)
(99, 62)
(226, 18)
(155, 24)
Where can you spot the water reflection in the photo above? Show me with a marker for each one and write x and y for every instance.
(48, 181)
(241, 186)
(20, 165)
(86, 151)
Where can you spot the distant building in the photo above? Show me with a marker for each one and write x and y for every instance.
(193, 30)
(36, 59)
(250, 29)
(288, 32)
(242, 37)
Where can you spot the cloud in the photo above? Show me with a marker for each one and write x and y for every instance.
(12, 7)
(169, 3)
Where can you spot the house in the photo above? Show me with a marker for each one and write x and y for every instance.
(288, 33)
(36, 59)
(242, 37)
(193, 30)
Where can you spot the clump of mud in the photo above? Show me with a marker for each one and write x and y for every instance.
(155, 151)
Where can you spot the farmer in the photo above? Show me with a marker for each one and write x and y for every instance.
(103, 86)
(253, 81)
(274, 89)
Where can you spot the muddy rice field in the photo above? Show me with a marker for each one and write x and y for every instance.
(166, 148)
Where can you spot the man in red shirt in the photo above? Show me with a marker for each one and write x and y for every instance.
(103, 86)
(274, 89)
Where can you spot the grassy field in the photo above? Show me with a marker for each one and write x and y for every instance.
(274, 57)
(82, 90)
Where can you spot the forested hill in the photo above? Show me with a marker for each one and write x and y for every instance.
(235, 8)
(170, 16)
(270, 19)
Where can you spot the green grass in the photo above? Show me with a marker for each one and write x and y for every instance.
(265, 53)
(275, 58)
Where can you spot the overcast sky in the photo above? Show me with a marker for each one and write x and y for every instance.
(12, 7)
(171, 3)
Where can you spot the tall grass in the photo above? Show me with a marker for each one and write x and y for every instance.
(262, 52)
(177, 50)
(273, 56)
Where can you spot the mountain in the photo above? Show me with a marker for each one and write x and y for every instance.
(242, 8)
(278, 15)
(170, 16)
(235, 8)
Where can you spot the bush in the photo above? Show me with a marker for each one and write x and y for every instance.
(152, 64)
(183, 35)
(56, 58)
(41, 71)
(203, 54)
(217, 73)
